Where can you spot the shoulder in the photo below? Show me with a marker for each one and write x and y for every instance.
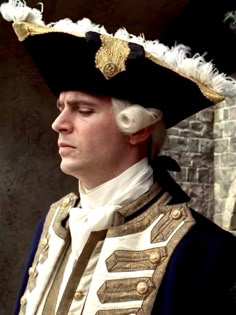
(210, 231)
(62, 206)
(58, 212)
(64, 202)
(209, 244)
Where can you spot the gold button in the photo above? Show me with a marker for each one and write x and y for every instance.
(31, 271)
(155, 258)
(176, 214)
(23, 300)
(66, 201)
(44, 242)
(142, 288)
(78, 295)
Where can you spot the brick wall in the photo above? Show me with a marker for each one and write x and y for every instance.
(225, 164)
(204, 145)
(191, 144)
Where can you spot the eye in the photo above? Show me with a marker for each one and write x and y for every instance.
(85, 111)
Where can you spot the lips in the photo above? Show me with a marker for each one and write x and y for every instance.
(65, 145)
(65, 149)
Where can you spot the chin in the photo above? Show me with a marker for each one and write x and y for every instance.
(66, 168)
(69, 168)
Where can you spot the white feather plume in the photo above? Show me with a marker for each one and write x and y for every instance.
(18, 11)
(178, 58)
(81, 27)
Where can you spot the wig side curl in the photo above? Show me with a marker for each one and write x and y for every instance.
(131, 118)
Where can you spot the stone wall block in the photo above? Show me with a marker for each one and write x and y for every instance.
(200, 159)
(196, 126)
(228, 219)
(221, 145)
(188, 133)
(219, 115)
(180, 143)
(201, 195)
(218, 130)
(186, 159)
(229, 214)
(192, 175)
(194, 145)
(221, 190)
(207, 131)
(206, 116)
(228, 159)
(174, 131)
(206, 146)
(229, 129)
(232, 113)
(219, 206)
(226, 114)
(224, 174)
(217, 160)
(232, 144)
(203, 175)
(184, 124)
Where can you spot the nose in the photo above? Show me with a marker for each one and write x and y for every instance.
(62, 124)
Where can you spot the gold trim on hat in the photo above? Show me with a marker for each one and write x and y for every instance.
(25, 29)
(212, 95)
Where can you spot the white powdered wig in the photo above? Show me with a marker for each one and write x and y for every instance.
(131, 118)
(177, 58)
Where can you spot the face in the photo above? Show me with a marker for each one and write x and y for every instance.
(91, 147)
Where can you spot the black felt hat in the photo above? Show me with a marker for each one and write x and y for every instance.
(83, 56)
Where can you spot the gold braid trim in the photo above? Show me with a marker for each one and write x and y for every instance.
(25, 29)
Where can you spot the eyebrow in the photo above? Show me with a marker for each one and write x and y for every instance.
(75, 102)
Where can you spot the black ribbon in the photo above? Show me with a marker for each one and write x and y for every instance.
(161, 166)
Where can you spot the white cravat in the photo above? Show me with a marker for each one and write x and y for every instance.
(98, 206)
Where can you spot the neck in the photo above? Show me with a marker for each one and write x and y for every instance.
(104, 174)
(124, 188)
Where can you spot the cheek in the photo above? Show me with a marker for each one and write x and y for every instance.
(94, 139)
(102, 135)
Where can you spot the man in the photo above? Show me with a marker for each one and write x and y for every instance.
(129, 244)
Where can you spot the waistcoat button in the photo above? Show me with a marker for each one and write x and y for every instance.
(78, 295)
(66, 201)
(23, 300)
(142, 288)
(176, 214)
(155, 258)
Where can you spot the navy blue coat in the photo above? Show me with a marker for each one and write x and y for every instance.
(200, 276)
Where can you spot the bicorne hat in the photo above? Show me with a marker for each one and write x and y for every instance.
(85, 57)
